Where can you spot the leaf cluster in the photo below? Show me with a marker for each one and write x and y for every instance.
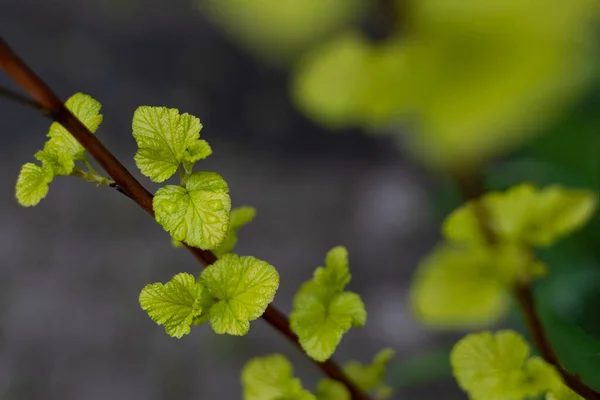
(60, 154)
(467, 280)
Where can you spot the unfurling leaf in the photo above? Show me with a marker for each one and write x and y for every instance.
(61, 142)
(328, 389)
(60, 152)
(322, 311)
(238, 217)
(175, 304)
(32, 185)
(370, 377)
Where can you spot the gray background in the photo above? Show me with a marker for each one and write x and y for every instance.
(72, 267)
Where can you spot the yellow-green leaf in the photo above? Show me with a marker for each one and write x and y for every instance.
(322, 311)
(458, 287)
(271, 378)
(524, 214)
(370, 377)
(243, 287)
(175, 304)
(197, 214)
(238, 217)
(32, 185)
(328, 389)
(165, 140)
(87, 110)
(499, 367)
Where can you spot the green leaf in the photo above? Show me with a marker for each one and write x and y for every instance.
(238, 217)
(61, 163)
(524, 214)
(495, 367)
(198, 150)
(175, 304)
(459, 287)
(271, 378)
(336, 275)
(32, 185)
(165, 139)
(87, 110)
(370, 377)
(320, 320)
(60, 152)
(526, 87)
(322, 312)
(197, 214)
(328, 389)
(329, 79)
(278, 32)
(244, 287)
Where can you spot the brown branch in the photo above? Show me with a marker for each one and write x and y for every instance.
(472, 188)
(125, 182)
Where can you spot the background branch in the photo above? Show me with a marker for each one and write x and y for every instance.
(472, 188)
(23, 100)
(50, 105)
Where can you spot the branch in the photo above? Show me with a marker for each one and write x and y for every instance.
(472, 188)
(51, 106)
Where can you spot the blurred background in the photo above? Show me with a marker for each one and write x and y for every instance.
(342, 122)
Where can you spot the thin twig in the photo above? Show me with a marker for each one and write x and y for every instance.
(126, 183)
(472, 188)
(23, 100)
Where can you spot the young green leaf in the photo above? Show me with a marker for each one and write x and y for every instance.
(59, 154)
(87, 110)
(322, 311)
(198, 150)
(32, 185)
(370, 377)
(328, 389)
(524, 213)
(197, 214)
(62, 163)
(175, 304)
(336, 275)
(166, 139)
(497, 367)
(271, 378)
(238, 217)
(244, 287)
(457, 287)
